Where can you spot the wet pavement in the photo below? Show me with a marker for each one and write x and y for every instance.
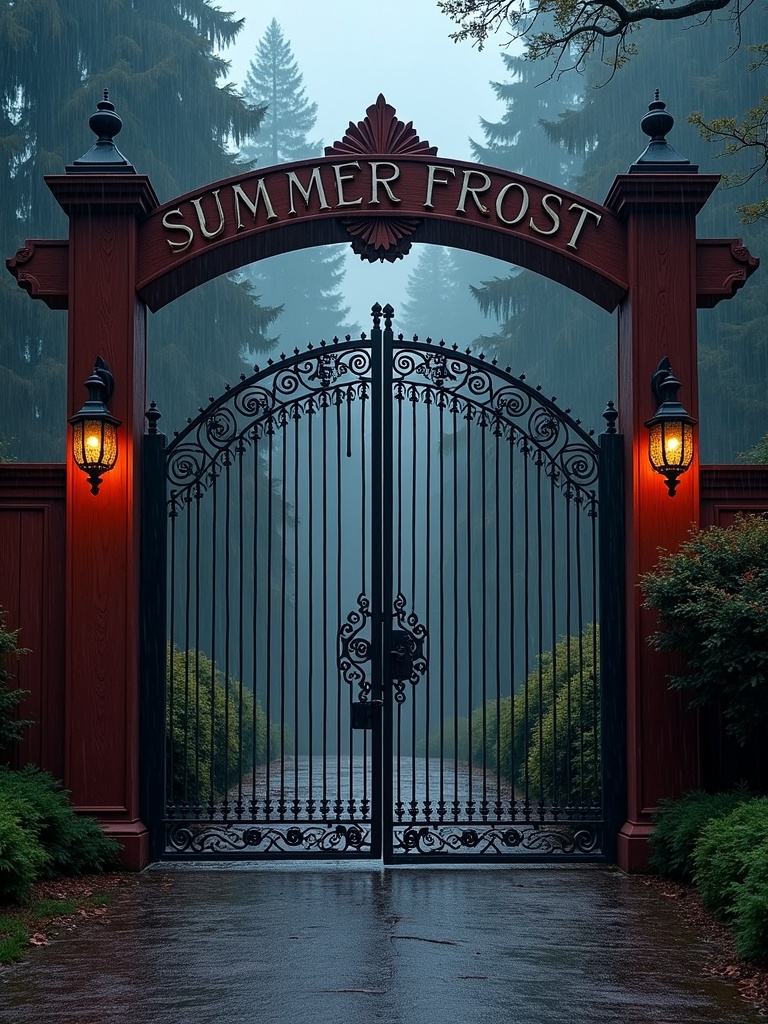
(330, 944)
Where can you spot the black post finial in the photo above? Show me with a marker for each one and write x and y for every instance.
(610, 416)
(152, 414)
(659, 157)
(103, 157)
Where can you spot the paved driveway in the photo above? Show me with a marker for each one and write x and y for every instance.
(352, 945)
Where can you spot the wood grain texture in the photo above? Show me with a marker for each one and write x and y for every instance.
(102, 597)
(32, 582)
(657, 319)
(586, 251)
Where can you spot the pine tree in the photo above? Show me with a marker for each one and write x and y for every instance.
(159, 60)
(733, 341)
(305, 285)
(275, 84)
(438, 299)
(546, 331)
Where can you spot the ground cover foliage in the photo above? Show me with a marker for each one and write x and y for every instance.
(719, 842)
(40, 834)
(712, 598)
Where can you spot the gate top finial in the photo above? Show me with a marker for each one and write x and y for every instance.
(659, 157)
(103, 157)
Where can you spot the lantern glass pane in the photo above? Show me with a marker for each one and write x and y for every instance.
(674, 446)
(656, 447)
(94, 444)
(687, 457)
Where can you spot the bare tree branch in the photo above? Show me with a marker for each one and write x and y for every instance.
(581, 27)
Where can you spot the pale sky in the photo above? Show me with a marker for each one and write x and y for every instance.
(351, 50)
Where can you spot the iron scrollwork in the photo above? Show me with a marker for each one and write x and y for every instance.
(408, 646)
(191, 838)
(355, 650)
(262, 404)
(507, 406)
(543, 839)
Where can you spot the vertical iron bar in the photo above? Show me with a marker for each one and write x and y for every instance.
(311, 804)
(381, 523)
(227, 460)
(428, 597)
(612, 650)
(441, 608)
(483, 617)
(455, 805)
(282, 807)
(270, 428)
(386, 367)
(255, 606)
(296, 590)
(412, 696)
(240, 632)
(540, 632)
(554, 802)
(325, 804)
(153, 726)
(214, 476)
(470, 808)
(498, 810)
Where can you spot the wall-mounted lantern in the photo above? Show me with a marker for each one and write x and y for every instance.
(94, 429)
(670, 437)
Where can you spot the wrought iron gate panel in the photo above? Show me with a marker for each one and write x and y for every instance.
(383, 606)
(496, 750)
(267, 552)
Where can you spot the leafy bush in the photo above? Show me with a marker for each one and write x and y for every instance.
(553, 748)
(679, 825)
(725, 852)
(712, 602)
(216, 732)
(22, 859)
(11, 726)
(72, 843)
(750, 908)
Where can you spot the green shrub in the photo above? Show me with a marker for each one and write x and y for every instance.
(679, 825)
(215, 731)
(539, 749)
(11, 726)
(750, 908)
(712, 602)
(22, 858)
(724, 852)
(73, 844)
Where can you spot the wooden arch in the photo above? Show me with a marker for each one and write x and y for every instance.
(382, 188)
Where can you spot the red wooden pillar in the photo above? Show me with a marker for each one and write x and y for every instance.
(658, 199)
(105, 200)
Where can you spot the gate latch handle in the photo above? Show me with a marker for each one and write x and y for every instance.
(402, 655)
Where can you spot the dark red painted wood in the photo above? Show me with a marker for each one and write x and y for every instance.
(32, 527)
(658, 318)
(102, 568)
(594, 260)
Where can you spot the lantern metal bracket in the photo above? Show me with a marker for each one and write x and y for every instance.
(659, 375)
(103, 371)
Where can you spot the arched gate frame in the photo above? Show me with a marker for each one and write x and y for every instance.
(382, 188)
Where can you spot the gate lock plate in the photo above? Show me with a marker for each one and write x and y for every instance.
(362, 713)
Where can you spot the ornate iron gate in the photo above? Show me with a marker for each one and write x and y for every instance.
(392, 619)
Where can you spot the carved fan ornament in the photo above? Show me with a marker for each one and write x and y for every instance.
(381, 133)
